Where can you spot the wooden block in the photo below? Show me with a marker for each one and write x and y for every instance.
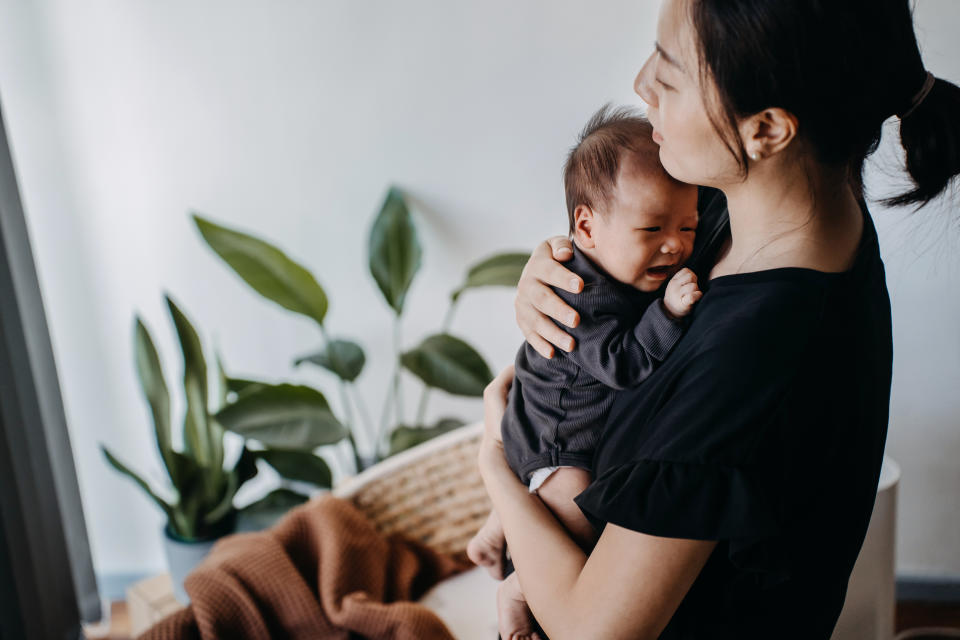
(149, 601)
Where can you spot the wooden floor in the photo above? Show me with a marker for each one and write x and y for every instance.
(910, 615)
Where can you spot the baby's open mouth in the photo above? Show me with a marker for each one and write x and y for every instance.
(661, 271)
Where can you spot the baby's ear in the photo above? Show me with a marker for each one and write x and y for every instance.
(583, 221)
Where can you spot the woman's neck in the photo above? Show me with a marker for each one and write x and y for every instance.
(786, 214)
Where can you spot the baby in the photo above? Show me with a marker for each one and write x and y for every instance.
(632, 227)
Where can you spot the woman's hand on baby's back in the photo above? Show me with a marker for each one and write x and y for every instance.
(536, 302)
(682, 293)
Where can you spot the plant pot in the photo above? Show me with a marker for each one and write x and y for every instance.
(367, 461)
(185, 554)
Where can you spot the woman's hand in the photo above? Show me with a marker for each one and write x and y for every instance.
(494, 406)
(536, 302)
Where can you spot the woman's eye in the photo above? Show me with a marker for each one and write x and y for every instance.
(662, 83)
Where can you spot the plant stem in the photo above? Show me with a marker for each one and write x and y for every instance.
(348, 413)
(448, 318)
(384, 417)
(345, 401)
(362, 409)
(398, 391)
(358, 466)
(422, 406)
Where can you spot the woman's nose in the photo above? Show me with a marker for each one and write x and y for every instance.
(643, 82)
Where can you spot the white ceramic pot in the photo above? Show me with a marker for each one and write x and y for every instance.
(182, 556)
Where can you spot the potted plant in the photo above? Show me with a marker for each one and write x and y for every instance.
(441, 360)
(280, 424)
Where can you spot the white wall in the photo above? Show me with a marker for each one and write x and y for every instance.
(290, 119)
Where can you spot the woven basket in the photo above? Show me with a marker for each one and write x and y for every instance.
(431, 493)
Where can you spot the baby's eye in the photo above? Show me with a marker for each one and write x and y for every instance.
(688, 228)
(651, 229)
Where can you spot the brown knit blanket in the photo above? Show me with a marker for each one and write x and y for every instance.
(322, 571)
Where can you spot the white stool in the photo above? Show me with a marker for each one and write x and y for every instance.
(868, 613)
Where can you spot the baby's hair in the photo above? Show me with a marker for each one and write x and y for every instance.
(590, 174)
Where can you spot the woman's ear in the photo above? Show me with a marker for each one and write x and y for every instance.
(768, 132)
(583, 220)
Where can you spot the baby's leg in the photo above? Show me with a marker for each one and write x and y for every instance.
(487, 546)
(514, 619)
(558, 492)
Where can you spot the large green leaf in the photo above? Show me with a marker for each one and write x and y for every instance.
(503, 269)
(199, 490)
(448, 363)
(245, 469)
(188, 473)
(154, 386)
(267, 510)
(283, 416)
(202, 438)
(342, 357)
(404, 437)
(299, 465)
(395, 251)
(125, 470)
(267, 269)
(225, 505)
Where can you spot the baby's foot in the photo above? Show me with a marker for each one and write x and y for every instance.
(486, 548)
(514, 619)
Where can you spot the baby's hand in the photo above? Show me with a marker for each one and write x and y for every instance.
(682, 293)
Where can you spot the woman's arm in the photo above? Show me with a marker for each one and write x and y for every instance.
(629, 586)
(536, 302)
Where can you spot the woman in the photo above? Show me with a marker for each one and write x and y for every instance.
(711, 524)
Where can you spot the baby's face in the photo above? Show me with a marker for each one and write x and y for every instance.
(646, 233)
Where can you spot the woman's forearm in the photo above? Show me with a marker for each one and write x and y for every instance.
(547, 561)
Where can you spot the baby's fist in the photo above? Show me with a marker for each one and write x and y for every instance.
(682, 293)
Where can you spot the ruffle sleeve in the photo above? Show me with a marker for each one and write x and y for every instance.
(736, 505)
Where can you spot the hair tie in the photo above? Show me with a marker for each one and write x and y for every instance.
(919, 97)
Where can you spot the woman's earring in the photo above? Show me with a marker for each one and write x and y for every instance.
(754, 156)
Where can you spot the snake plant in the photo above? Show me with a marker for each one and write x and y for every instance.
(280, 424)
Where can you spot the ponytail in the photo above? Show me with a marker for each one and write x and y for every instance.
(842, 67)
(930, 134)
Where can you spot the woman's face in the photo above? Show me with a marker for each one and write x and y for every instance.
(691, 150)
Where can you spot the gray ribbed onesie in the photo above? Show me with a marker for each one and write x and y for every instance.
(557, 406)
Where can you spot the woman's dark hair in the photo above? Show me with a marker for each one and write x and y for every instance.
(842, 67)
